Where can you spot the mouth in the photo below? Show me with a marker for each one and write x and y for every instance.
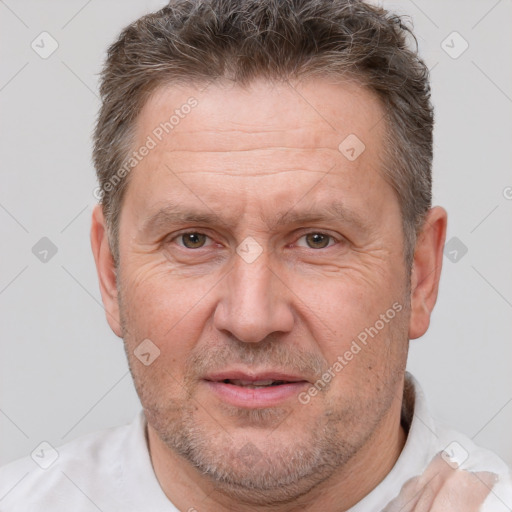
(255, 390)
(255, 384)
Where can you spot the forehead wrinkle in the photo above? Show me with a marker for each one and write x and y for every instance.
(201, 143)
(252, 161)
(193, 149)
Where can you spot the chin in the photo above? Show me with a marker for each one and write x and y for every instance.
(261, 473)
(255, 464)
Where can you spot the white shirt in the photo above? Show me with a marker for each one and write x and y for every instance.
(111, 471)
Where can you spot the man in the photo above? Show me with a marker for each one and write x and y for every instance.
(266, 248)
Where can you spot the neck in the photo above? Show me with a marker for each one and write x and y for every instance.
(192, 491)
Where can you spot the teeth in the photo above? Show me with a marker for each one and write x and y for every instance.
(255, 383)
(251, 383)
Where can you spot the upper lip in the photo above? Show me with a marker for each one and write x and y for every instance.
(253, 376)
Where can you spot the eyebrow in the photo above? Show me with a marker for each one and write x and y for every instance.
(331, 212)
(334, 211)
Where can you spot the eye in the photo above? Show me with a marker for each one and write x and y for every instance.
(192, 240)
(313, 240)
(316, 240)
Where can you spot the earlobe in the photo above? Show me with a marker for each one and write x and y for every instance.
(426, 271)
(105, 268)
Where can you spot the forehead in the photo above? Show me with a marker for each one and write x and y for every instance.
(269, 142)
(316, 113)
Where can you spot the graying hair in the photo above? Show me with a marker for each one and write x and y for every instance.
(200, 41)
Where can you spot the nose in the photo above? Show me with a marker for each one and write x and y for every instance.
(254, 302)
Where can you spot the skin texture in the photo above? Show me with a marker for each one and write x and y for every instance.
(263, 162)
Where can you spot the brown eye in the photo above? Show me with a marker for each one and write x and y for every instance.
(193, 240)
(317, 240)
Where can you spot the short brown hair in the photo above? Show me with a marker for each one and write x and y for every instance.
(198, 41)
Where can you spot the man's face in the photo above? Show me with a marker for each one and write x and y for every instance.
(253, 251)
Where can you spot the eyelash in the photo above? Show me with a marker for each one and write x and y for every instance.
(331, 237)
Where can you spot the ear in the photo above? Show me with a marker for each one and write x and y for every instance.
(106, 269)
(426, 271)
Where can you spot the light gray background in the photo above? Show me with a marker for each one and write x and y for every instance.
(63, 373)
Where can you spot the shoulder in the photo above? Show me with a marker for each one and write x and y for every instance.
(66, 477)
(469, 468)
(442, 469)
(457, 475)
(446, 485)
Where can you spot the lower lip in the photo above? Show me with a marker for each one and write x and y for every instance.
(255, 397)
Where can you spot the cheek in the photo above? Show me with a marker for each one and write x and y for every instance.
(342, 305)
(169, 311)
(358, 325)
